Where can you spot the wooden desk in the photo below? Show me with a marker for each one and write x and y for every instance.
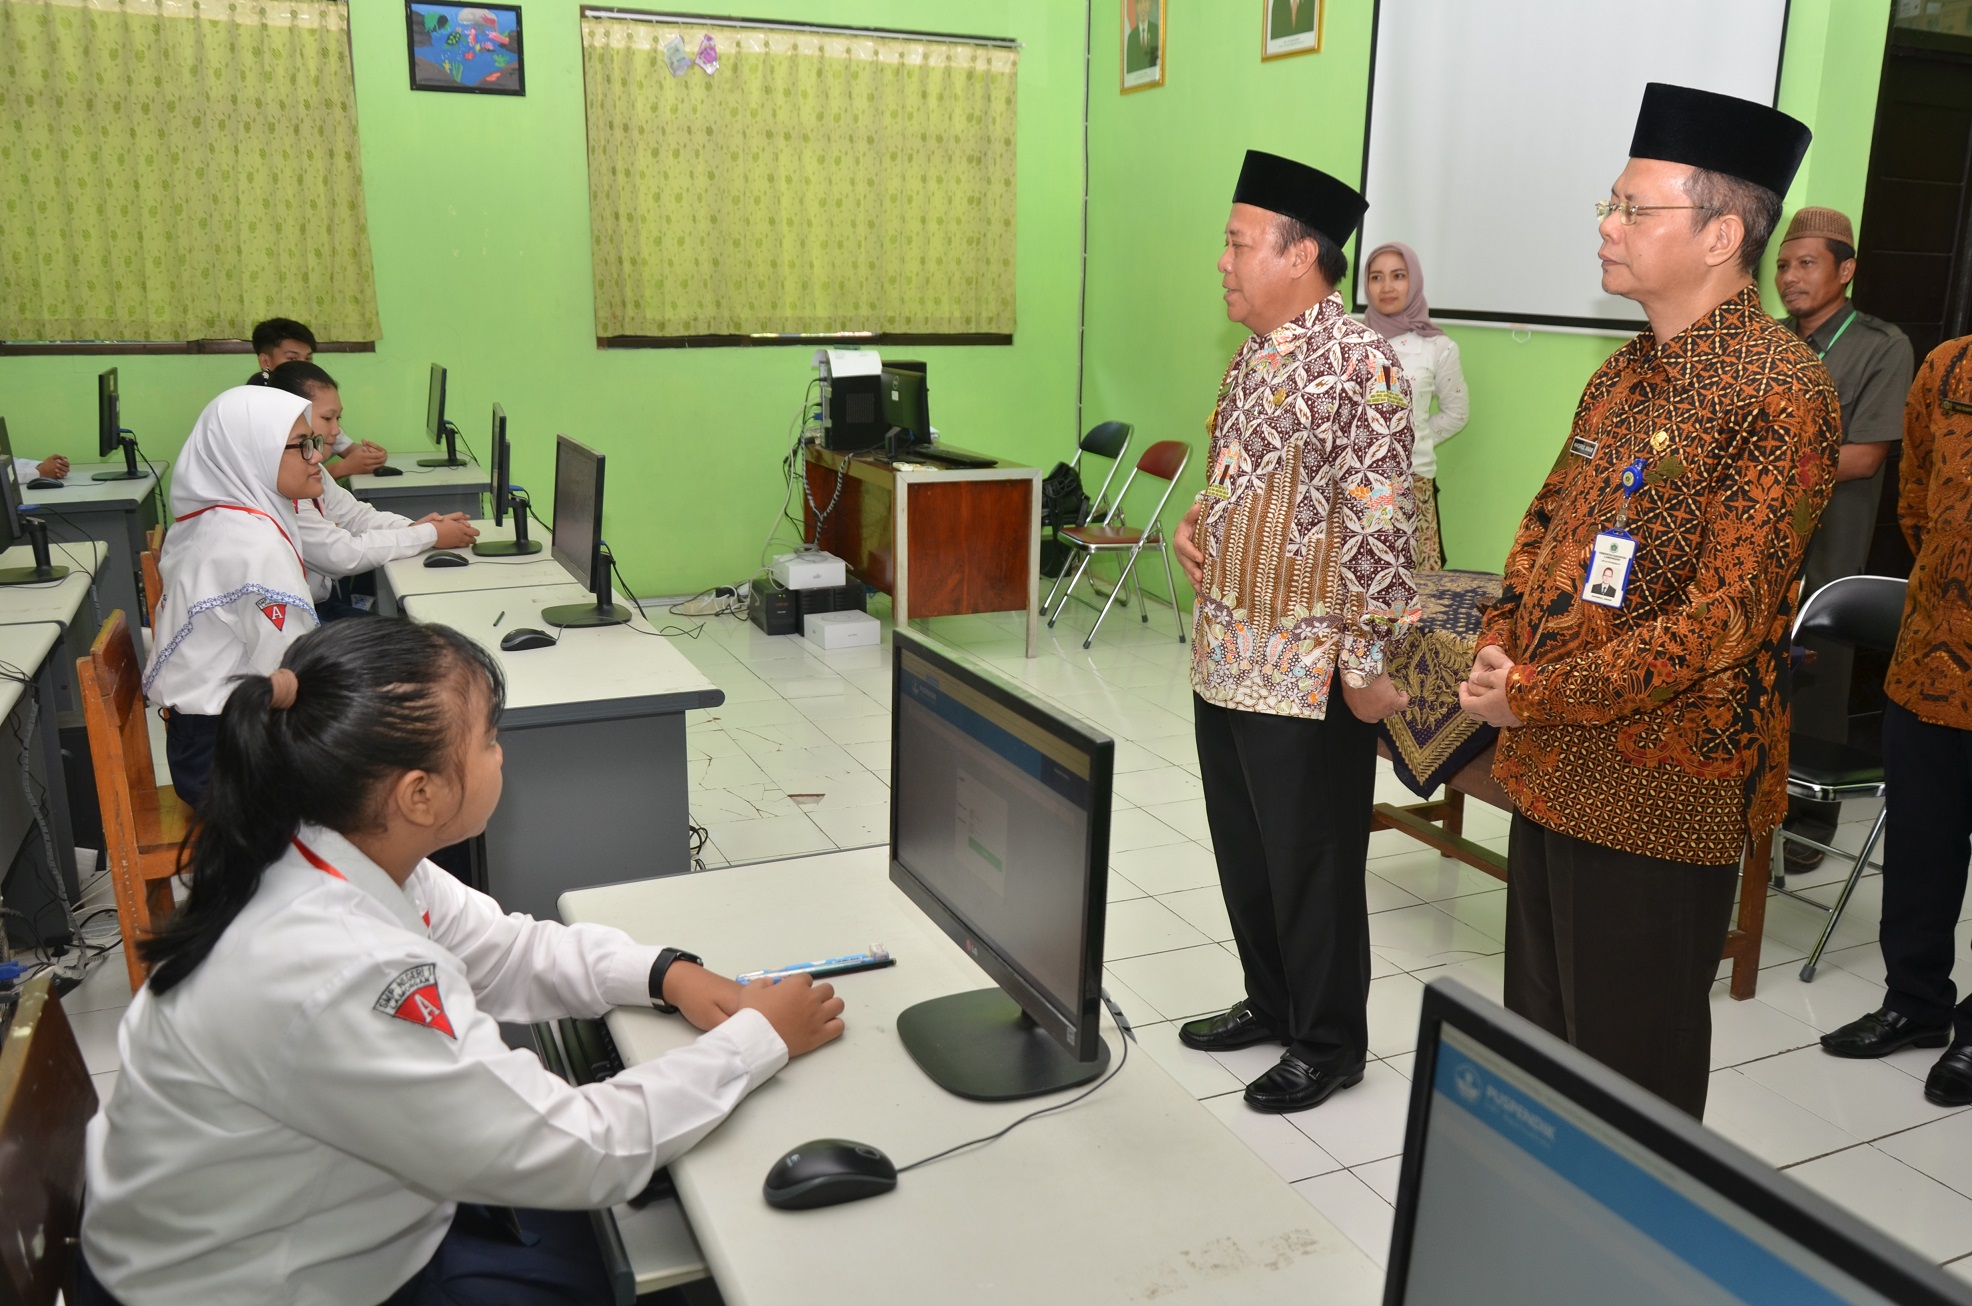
(408, 577)
(1137, 1194)
(940, 541)
(38, 648)
(116, 514)
(422, 490)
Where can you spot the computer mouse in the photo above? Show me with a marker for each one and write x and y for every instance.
(443, 559)
(46, 483)
(522, 638)
(828, 1171)
(385, 469)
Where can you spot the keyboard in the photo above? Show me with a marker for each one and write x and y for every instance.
(592, 1058)
(944, 459)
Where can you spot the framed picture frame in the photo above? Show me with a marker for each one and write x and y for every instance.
(1143, 44)
(475, 49)
(1290, 27)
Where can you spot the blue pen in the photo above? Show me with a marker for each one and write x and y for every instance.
(875, 959)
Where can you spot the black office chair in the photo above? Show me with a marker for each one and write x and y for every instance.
(1109, 440)
(1863, 612)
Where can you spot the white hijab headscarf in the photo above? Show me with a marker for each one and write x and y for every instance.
(233, 536)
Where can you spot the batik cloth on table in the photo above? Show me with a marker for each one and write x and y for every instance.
(1431, 740)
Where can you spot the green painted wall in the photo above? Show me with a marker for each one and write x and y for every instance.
(479, 223)
(1162, 167)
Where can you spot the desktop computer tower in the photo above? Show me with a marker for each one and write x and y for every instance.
(779, 611)
(852, 413)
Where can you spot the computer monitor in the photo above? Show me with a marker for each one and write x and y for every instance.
(1532, 1174)
(110, 435)
(999, 832)
(905, 406)
(15, 524)
(440, 430)
(507, 497)
(578, 537)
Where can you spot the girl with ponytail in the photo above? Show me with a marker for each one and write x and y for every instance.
(314, 1090)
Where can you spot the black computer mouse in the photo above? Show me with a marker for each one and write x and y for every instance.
(828, 1171)
(522, 638)
(385, 469)
(46, 483)
(443, 559)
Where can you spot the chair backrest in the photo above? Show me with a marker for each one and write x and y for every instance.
(153, 585)
(46, 1099)
(1164, 461)
(1861, 611)
(1108, 440)
(111, 682)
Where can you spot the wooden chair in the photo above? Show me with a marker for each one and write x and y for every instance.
(46, 1099)
(143, 822)
(153, 588)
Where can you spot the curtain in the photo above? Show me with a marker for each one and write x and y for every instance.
(814, 183)
(179, 170)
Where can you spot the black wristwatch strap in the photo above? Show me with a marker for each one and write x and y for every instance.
(658, 970)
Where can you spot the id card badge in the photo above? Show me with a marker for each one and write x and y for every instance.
(1609, 569)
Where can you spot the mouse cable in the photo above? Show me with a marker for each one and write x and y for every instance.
(1129, 1037)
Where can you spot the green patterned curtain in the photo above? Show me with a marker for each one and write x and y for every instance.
(814, 183)
(179, 170)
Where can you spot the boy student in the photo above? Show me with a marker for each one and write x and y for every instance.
(283, 340)
(340, 534)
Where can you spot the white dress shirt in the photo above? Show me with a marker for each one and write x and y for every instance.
(342, 536)
(1431, 363)
(295, 1121)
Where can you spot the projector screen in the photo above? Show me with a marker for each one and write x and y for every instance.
(1495, 126)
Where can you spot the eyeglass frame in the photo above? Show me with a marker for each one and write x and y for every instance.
(1627, 213)
(307, 444)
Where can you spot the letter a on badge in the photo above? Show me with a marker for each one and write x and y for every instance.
(413, 996)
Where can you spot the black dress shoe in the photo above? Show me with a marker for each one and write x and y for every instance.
(1238, 1028)
(1294, 1085)
(1950, 1081)
(1880, 1033)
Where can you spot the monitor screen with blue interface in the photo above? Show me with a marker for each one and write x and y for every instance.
(1527, 1190)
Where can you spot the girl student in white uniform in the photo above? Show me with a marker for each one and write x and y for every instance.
(1393, 283)
(313, 1081)
(235, 588)
(340, 534)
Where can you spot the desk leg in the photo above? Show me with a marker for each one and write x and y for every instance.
(1034, 571)
(900, 543)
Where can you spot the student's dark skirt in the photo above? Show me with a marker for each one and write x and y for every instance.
(190, 741)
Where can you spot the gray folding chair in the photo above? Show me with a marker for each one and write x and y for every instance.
(1863, 612)
(1109, 440)
(1164, 461)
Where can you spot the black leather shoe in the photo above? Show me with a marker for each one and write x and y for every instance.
(1950, 1081)
(1798, 857)
(1238, 1028)
(1880, 1033)
(1294, 1085)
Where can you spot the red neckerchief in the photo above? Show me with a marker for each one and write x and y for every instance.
(315, 859)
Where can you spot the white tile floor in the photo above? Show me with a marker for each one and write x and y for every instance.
(797, 761)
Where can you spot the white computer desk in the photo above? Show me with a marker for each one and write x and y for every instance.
(597, 788)
(406, 577)
(118, 514)
(422, 490)
(1137, 1194)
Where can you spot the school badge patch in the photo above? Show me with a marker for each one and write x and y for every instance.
(276, 613)
(413, 996)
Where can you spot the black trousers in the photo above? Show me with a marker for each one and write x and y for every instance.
(1927, 838)
(190, 743)
(1616, 953)
(1288, 802)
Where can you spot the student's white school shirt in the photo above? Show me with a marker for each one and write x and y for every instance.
(295, 1121)
(341, 536)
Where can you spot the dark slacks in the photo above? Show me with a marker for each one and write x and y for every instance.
(1927, 838)
(190, 743)
(1288, 801)
(1616, 953)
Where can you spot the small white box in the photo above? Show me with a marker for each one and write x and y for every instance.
(809, 571)
(833, 630)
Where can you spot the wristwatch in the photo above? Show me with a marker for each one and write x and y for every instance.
(660, 968)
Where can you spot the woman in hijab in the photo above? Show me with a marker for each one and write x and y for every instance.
(1394, 286)
(235, 590)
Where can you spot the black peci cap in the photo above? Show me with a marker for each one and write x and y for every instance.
(1267, 181)
(1719, 133)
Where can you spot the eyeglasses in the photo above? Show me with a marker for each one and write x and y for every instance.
(1628, 212)
(308, 444)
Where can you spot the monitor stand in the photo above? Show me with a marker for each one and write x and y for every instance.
(580, 616)
(451, 458)
(130, 470)
(43, 571)
(981, 1045)
(519, 546)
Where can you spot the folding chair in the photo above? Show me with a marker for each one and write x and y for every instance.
(1164, 461)
(1109, 440)
(1863, 612)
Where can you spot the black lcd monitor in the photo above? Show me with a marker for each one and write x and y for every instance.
(999, 832)
(577, 541)
(507, 498)
(906, 405)
(15, 524)
(440, 430)
(110, 435)
(1534, 1175)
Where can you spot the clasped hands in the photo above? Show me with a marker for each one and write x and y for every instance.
(1483, 692)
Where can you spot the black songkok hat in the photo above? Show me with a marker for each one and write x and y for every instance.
(1719, 133)
(1267, 181)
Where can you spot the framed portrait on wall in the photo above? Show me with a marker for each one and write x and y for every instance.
(471, 48)
(1143, 44)
(1290, 27)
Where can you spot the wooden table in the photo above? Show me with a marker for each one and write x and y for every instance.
(940, 541)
